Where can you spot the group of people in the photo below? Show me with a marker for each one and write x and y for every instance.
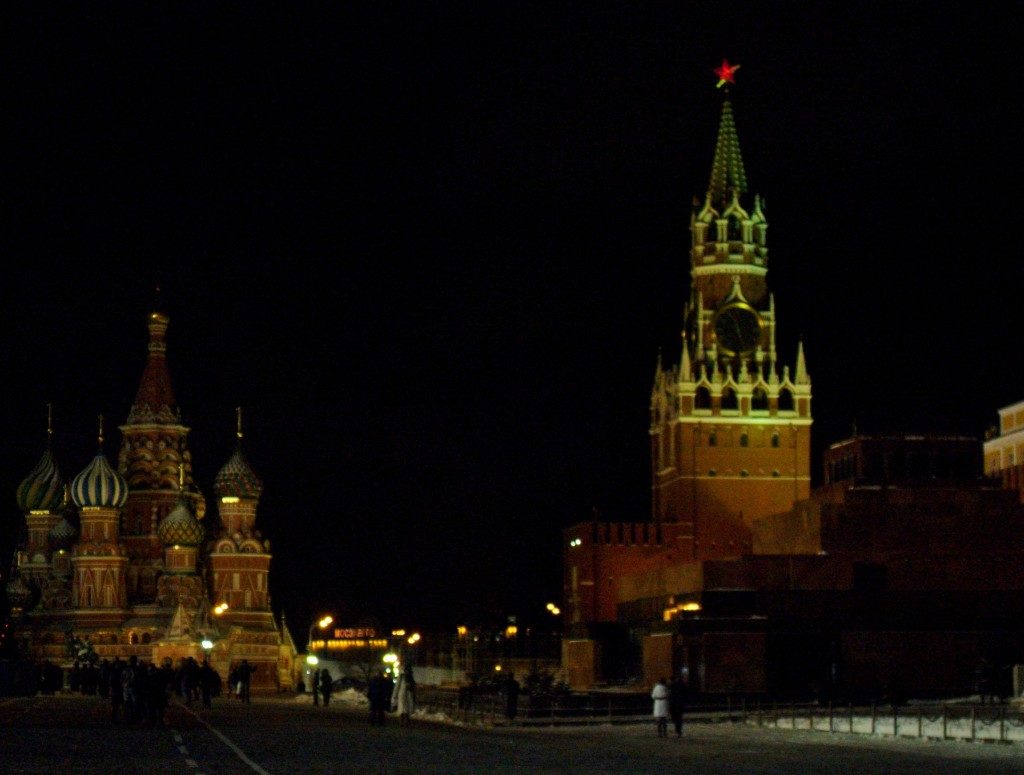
(669, 701)
(397, 696)
(322, 685)
(140, 691)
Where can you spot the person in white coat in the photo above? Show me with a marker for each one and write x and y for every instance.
(403, 696)
(660, 696)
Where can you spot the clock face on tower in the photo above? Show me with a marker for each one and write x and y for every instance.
(738, 328)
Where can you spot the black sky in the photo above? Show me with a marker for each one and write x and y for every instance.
(433, 251)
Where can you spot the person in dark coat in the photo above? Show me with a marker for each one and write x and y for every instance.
(115, 679)
(245, 671)
(677, 703)
(104, 684)
(325, 686)
(207, 682)
(314, 685)
(512, 697)
(378, 692)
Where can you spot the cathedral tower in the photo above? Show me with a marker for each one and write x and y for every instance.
(239, 560)
(154, 449)
(731, 423)
(99, 560)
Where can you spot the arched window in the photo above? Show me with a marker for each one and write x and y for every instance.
(785, 400)
(729, 399)
(703, 398)
(744, 439)
(775, 439)
(133, 638)
(735, 229)
(713, 439)
(760, 399)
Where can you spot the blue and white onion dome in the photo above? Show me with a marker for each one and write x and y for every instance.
(180, 527)
(43, 488)
(99, 485)
(237, 479)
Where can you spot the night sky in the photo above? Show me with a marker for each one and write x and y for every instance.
(433, 251)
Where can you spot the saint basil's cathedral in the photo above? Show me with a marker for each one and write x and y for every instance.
(125, 561)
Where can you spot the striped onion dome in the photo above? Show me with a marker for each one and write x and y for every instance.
(18, 592)
(43, 488)
(237, 479)
(62, 535)
(99, 485)
(180, 526)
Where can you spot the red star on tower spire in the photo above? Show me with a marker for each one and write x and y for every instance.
(726, 73)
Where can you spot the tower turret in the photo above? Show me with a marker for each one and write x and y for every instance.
(239, 557)
(99, 560)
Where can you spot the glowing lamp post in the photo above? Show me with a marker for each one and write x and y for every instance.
(323, 623)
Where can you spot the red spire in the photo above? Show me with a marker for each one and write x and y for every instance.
(155, 400)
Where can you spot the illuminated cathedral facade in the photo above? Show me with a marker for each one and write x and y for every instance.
(125, 560)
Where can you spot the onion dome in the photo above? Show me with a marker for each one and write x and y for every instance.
(43, 487)
(237, 479)
(99, 484)
(180, 526)
(62, 535)
(18, 592)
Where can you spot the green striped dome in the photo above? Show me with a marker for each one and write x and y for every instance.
(43, 488)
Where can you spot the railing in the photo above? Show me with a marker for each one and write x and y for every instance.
(946, 721)
(937, 721)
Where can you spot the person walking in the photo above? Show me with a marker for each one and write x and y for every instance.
(207, 680)
(660, 696)
(314, 685)
(245, 671)
(512, 698)
(677, 703)
(403, 698)
(115, 679)
(378, 692)
(325, 686)
(130, 681)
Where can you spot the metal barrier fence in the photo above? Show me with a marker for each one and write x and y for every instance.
(945, 721)
(939, 721)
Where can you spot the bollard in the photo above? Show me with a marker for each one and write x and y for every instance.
(973, 711)
(830, 729)
(874, 710)
(943, 721)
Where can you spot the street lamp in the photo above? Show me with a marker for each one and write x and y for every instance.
(323, 624)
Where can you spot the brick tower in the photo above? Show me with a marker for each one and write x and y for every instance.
(731, 423)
